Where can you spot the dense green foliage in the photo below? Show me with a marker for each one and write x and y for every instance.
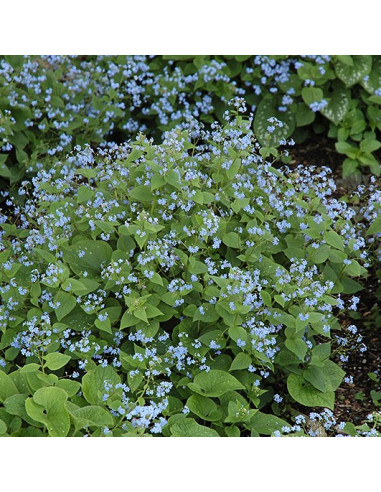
(50, 104)
(188, 288)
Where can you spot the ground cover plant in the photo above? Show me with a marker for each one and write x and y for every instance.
(166, 274)
(158, 288)
(49, 104)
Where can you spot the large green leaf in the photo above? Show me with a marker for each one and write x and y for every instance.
(15, 405)
(333, 374)
(297, 346)
(204, 407)
(93, 383)
(267, 424)
(265, 110)
(304, 393)
(351, 75)
(338, 104)
(3, 427)
(7, 386)
(214, 383)
(373, 82)
(92, 415)
(315, 376)
(48, 406)
(96, 254)
(241, 361)
(67, 303)
(190, 428)
(55, 360)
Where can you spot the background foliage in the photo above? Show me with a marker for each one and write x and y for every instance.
(50, 104)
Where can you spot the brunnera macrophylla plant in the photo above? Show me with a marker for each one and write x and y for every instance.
(184, 289)
(49, 104)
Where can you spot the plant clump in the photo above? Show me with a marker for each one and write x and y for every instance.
(188, 288)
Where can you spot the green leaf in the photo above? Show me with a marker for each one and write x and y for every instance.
(320, 254)
(304, 115)
(311, 95)
(93, 383)
(351, 75)
(333, 374)
(375, 227)
(92, 415)
(7, 386)
(304, 393)
(346, 59)
(373, 82)
(204, 408)
(84, 194)
(231, 240)
(15, 405)
(190, 428)
(233, 169)
(297, 346)
(97, 253)
(127, 320)
(214, 383)
(350, 166)
(3, 427)
(140, 193)
(48, 407)
(350, 286)
(369, 145)
(241, 361)
(140, 313)
(334, 240)
(67, 304)
(56, 360)
(338, 104)
(315, 376)
(266, 109)
(266, 298)
(267, 424)
(69, 386)
(347, 149)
